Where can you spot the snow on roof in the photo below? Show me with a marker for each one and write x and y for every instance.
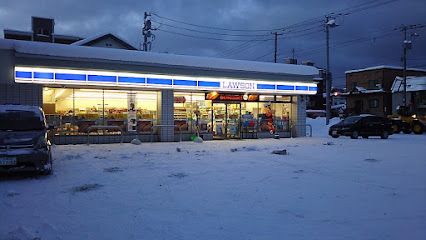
(133, 56)
(383, 67)
(358, 89)
(95, 37)
(413, 84)
(17, 32)
(65, 36)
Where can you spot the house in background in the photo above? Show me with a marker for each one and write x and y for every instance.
(416, 93)
(369, 89)
(106, 40)
(42, 30)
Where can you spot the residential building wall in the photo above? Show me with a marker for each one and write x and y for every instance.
(374, 80)
(360, 104)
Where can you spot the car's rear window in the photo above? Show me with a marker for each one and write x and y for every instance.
(18, 120)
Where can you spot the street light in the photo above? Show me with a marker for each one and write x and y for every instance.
(329, 23)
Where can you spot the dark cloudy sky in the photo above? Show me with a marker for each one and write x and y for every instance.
(364, 37)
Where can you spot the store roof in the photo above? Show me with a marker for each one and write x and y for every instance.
(161, 59)
(383, 67)
(414, 84)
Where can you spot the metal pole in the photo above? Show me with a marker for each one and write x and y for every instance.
(145, 37)
(276, 45)
(404, 72)
(327, 74)
(103, 106)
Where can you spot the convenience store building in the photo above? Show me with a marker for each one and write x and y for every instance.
(153, 95)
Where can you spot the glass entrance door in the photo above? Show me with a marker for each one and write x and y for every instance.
(233, 120)
(226, 120)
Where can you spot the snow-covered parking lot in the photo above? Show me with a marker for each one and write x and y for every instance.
(324, 189)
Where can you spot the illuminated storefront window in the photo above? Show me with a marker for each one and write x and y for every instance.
(73, 111)
(192, 112)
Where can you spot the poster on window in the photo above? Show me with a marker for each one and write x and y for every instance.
(131, 113)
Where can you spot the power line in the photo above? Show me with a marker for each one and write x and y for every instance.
(212, 38)
(241, 48)
(264, 55)
(207, 32)
(217, 28)
(347, 43)
(346, 11)
(295, 30)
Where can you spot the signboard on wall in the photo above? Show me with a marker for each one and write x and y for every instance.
(80, 77)
(179, 99)
(238, 85)
(131, 112)
(215, 96)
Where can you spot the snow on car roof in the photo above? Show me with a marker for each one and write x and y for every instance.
(210, 63)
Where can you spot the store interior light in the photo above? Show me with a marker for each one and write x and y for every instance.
(59, 93)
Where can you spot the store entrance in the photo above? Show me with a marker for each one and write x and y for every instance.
(226, 120)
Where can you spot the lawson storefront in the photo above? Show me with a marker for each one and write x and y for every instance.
(104, 95)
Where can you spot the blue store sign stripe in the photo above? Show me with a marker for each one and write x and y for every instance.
(20, 74)
(70, 76)
(131, 80)
(208, 84)
(184, 83)
(161, 81)
(101, 78)
(43, 75)
(266, 86)
(285, 87)
(301, 88)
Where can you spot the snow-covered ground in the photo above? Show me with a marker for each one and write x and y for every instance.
(324, 189)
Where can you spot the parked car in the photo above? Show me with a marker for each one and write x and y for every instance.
(362, 125)
(24, 143)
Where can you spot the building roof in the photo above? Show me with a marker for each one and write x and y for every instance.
(151, 58)
(69, 37)
(383, 67)
(17, 32)
(414, 84)
(92, 39)
(361, 90)
(30, 33)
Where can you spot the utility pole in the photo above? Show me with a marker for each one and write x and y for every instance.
(276, 34)
(148, 37)
(407, 44)
(404, 71)
(329, 23)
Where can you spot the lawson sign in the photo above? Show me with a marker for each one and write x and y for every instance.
(238, 85)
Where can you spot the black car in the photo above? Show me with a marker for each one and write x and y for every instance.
(24, 143)
(362, 125)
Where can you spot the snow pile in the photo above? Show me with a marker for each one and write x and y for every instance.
(319, 129)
